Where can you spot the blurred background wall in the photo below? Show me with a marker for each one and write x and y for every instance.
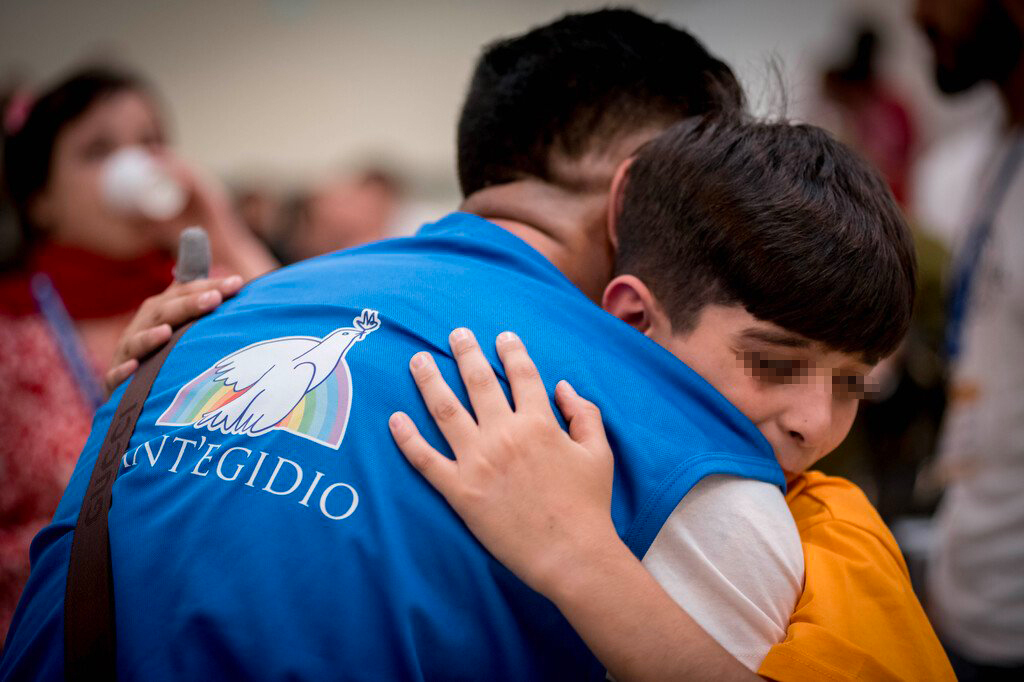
(285, 90)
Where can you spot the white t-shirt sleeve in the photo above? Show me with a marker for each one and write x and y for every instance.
(730, 555)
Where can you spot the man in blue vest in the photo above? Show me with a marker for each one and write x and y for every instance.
(264, 525)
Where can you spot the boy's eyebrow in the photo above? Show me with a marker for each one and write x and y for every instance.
(776, 338)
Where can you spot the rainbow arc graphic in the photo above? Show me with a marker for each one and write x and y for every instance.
(298, 384)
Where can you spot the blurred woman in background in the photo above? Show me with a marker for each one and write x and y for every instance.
(82, 270)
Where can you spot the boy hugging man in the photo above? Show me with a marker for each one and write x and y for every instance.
(775, 264)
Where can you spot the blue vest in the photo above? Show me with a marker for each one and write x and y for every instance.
(264, 525)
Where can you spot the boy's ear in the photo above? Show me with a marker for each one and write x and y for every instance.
(629, 299)
(615, 194)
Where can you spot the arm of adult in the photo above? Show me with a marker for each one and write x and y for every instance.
(155, 319)
(559, 539)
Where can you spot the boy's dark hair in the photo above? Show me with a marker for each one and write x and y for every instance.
(779, 218)
(28, 153)
(574, 86)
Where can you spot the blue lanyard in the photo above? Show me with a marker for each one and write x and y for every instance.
(966, 264)
(70, 345)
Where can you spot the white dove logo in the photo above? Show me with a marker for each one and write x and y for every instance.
(299, 384)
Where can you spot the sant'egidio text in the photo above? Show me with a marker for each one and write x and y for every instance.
(271, 474)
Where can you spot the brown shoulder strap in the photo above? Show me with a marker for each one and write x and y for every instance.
(89, 652)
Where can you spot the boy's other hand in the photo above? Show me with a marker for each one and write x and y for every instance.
(153, 323)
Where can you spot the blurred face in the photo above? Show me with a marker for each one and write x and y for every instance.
(71, 208)
(347, 213)
(972, 40)
(801, 395)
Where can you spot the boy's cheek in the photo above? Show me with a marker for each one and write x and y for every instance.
(844, 416)
(847, 415)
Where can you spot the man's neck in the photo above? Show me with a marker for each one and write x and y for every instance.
(568, 228)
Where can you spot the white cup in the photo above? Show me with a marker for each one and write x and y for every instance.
(135, 182)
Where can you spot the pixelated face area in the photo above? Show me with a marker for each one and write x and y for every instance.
(802, 395)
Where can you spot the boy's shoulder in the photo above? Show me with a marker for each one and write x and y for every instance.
(826, 507)
(814, 497)
(858, 617)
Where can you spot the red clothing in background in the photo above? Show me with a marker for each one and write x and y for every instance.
(44, 416)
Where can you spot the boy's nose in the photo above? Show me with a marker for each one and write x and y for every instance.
(808, 420)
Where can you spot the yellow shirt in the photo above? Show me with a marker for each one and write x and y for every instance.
(858, 618)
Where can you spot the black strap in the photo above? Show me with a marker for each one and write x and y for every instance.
(89, 652)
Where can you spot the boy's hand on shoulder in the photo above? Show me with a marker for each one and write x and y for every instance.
(153, 323)
(537, 497)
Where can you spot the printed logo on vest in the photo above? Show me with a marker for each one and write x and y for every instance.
(299, 384)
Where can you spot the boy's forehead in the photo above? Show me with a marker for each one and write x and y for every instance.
(751, 333)
(760, 331)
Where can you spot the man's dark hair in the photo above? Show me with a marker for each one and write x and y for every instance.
(575, 85)
(779, 218)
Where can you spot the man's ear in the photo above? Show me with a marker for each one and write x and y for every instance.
(615, 194)
(629, 299)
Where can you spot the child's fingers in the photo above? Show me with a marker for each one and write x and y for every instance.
(140, 344)
(482, 385)
(118, 374)
(182, 302)
(143, 343)
(229, 286)
(158, 309)
(177, 311)
(440, 472)
(455, 423)
(523, 378)
(583, 417)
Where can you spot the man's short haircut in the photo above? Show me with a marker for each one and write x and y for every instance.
(575, 85)
(779, 218)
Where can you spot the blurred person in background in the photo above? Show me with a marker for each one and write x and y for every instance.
(975, 581)
(15, 101)
(259, 206)
(80, 271)
(335, 213)
(863, 112)
(340, 213)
